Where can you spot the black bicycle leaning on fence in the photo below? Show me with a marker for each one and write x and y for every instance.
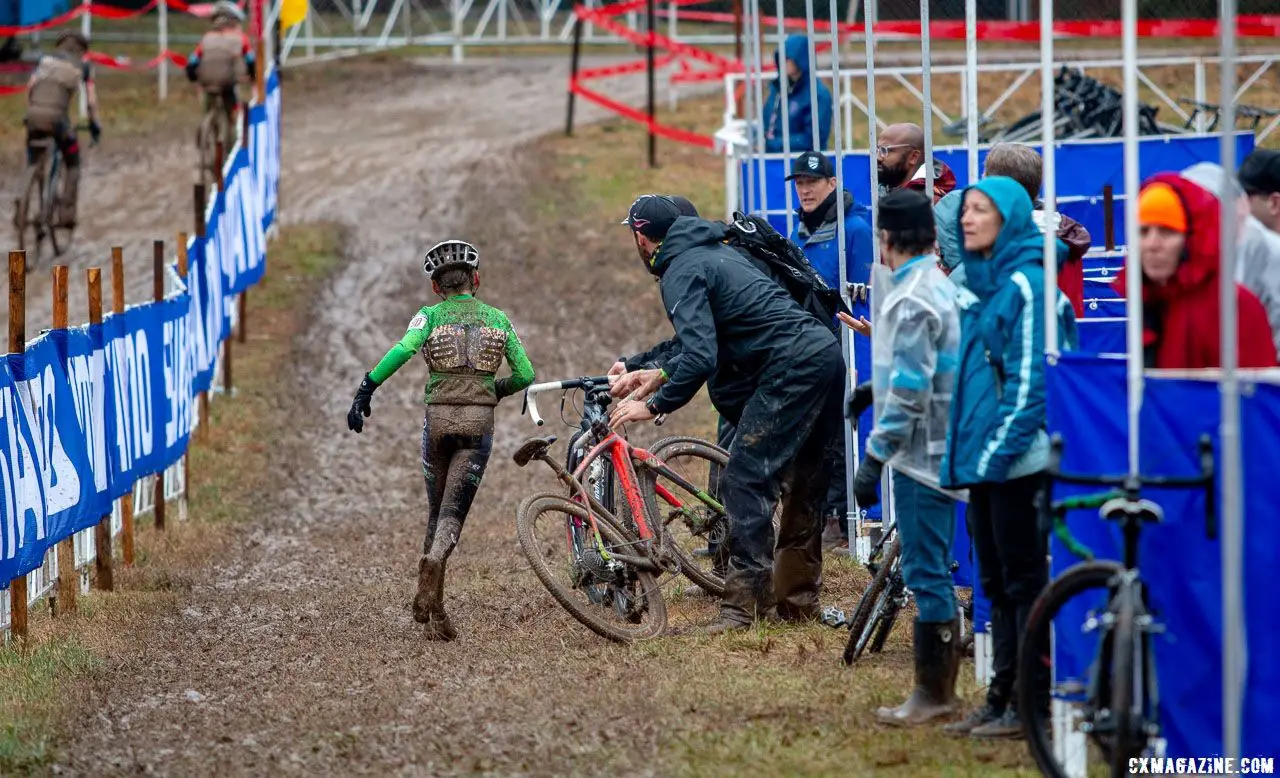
(1119, 701)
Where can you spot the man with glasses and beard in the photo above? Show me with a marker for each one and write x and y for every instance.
(900, 162)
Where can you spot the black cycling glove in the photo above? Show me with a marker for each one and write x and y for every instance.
(860, 400)
(867, 480)
(95, 131)
(360, 405)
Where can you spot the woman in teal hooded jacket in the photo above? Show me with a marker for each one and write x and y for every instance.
(997, 445)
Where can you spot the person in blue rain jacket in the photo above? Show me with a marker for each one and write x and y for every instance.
(817, 233)
(800, 99)
(997, 444)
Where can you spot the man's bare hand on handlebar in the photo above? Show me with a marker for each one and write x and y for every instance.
(640, 384)
(629, 411)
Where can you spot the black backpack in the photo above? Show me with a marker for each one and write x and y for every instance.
(786, 264)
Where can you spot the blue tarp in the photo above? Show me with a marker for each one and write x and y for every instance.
(1083, 169)
(1183, 569)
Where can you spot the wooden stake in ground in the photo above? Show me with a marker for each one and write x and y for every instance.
(103, 554)
(186, 457)
(68, 581)
(200, 199)
(18, 344)
(117, 307)
(158, 296)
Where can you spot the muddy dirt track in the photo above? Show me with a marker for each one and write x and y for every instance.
(296, 653)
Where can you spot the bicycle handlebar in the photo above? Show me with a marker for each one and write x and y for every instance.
(1128, 486)
(588, 382)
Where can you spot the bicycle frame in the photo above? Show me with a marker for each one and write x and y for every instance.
(623, 457)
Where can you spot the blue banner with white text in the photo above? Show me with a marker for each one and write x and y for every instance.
(86, 412)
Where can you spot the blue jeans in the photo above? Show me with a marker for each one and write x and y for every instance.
(926, 523)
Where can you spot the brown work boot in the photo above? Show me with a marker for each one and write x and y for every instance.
(747, 597)
(981, 716)
(937, 655)
(832, 533)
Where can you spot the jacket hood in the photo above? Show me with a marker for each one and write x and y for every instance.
(796, 49)
(1201, 254)
(686, 233)
(1019, 244)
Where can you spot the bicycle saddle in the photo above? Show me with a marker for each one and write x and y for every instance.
(1121, 507)
(533, 448)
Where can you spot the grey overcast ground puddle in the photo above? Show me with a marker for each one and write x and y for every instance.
(294, 651)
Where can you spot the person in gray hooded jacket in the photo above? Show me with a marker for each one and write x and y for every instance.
(1258, 259)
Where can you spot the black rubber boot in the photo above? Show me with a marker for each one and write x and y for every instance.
(937, 657)
(748, 597)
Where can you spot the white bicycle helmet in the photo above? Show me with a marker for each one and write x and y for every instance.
(227, 10)
(448, 255)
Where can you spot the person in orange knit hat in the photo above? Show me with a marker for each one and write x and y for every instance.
(1180, 254)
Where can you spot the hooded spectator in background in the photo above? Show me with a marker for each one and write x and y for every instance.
(1259, 174)
(1181, 313)
(1258, 260)
(1024, 165)
(794, 72)
(817, 233)
(900, 162)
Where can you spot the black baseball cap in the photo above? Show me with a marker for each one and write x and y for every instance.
(812, 164)
(652, 215)
(1260, 172)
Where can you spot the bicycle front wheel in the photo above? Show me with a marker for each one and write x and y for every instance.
(875, 605)
(614, 599)
(694, 531)
(1073, 584)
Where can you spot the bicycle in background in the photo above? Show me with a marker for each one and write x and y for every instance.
(1119, 701)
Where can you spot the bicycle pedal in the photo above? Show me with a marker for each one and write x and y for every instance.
(834, 617)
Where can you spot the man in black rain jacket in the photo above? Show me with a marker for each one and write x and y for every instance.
(785, 402)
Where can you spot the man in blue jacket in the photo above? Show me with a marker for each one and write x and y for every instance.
(800, 100)
(817, 233)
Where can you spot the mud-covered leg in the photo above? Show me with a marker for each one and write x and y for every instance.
(436, 455)
(470, 442)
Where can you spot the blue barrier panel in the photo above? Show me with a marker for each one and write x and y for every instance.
(1086, 401)
(1084, 168)
(85, 413)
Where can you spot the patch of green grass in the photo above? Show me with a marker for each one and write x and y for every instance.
(30, 704)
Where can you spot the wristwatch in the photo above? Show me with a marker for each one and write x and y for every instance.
(648, 404)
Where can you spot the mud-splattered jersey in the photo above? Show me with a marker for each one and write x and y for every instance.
(464, 342)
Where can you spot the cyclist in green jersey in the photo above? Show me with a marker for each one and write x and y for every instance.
(464, 342)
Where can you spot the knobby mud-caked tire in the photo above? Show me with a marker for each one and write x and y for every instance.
(873, 606)
(703, 572)
(572, 600)
(1075, 581)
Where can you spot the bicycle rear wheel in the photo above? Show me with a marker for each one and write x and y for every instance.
(613, 599)
(29, 217)
(206, 141)
(875, 603)
(1075, 582)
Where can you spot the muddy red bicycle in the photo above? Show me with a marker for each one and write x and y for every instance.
(630, 524)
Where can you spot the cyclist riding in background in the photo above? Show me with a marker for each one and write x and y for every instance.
(464, 342)
(216, 64)
(56, 80)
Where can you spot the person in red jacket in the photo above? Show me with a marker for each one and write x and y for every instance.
(1180, 274)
